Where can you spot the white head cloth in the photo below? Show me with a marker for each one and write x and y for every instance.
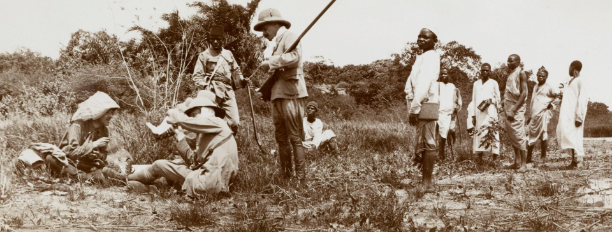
(94, 107)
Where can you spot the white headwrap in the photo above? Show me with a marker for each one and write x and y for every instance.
(94, 107)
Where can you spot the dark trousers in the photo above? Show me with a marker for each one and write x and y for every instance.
(287, 115)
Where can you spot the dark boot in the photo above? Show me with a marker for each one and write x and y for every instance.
(442, 146)
(523, 163)
(530, 154)
(429, 160)
(299, 159)
(284, 155)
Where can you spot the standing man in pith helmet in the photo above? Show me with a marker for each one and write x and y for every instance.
(288, 92)
(217, 71)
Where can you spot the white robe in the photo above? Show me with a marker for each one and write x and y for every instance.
(540, 115)
(470, 114)
(422, 83)
(447, 105)
(482, 92)
(573, 108)
(314, 134)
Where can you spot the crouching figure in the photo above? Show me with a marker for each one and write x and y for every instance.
(84, 146)
(207, 164)
(314, 136)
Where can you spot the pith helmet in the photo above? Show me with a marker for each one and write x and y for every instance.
(217, 30)
(205, 98)
(268, 16)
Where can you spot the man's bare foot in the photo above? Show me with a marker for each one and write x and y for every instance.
(574, 165)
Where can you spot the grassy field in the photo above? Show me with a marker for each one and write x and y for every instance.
(370, 186)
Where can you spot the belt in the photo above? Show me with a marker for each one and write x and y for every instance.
(221, 79)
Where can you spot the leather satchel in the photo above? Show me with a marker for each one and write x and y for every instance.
(430, 110)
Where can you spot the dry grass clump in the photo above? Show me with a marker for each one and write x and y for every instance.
(192, 214)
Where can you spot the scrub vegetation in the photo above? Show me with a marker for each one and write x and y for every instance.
(371, 185)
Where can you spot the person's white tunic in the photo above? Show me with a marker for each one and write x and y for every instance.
(480, 93)
(543, 96)
(314, 134)
(470, 114)
(447, 105)
(422, 82)
(573, 108)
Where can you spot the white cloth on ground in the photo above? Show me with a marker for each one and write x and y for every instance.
(573, 108)
(483, 92)
(314, 134)
(421, 84)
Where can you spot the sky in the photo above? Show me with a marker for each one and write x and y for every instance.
(544, 33)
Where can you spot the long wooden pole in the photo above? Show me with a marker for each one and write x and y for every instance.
(266, 88)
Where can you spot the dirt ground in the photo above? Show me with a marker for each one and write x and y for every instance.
(469, 197)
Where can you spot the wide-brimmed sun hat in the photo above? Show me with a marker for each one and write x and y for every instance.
(205, 98)
(183, 106)
(268, 16)
(94, 107)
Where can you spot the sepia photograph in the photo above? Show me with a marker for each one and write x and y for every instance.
(305, 115)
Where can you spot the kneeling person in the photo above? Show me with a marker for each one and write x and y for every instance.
(207, 165)
(314, 136)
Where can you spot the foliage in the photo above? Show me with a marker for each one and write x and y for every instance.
(26, 61)
(488, 132)
(597, 122)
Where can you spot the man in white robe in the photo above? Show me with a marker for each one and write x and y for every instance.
(573, 110)
(485, 96)
(448, 108)
(541, 109)
(422, 87)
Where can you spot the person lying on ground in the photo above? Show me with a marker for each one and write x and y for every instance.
(85, 144)
(314, 136)
(210, 163)
(541, 110)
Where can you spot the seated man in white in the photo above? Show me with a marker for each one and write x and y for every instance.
(314, 136)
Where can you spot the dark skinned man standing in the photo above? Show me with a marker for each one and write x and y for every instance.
(570, 129)
(422, 87)
(514, 106)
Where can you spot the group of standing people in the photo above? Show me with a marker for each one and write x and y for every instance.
(428, 84)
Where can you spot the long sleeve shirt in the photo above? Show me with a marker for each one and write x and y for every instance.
(79, 139)
(212, 132)
(422, 82)
(290, 83)
(208, 61)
